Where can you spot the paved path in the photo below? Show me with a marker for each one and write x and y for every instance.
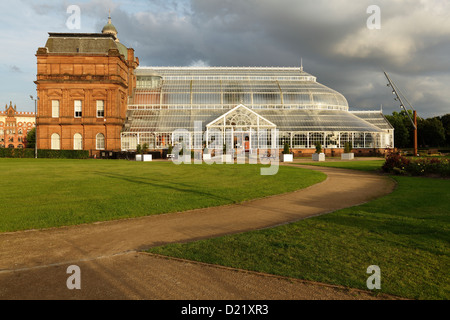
(33, 263)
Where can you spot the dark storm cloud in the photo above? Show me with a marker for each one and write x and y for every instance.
(331, 36)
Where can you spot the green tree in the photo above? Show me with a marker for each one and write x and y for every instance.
(446, 124)
(286, 149)
(401, 130)
(31, 138)
(431, 132)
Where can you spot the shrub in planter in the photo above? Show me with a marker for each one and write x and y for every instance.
(145, 148)
(348, 147)
(318, 147)
(287, 156)
(319, 155)
(348, 155)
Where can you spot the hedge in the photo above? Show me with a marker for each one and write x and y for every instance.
(50, 154)
(398, 164)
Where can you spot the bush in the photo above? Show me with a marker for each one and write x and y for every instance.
(318, 147)
(398, 164)
(348, 147)
(50, 154)
(286, 149)
(395, 160)
(16, 153)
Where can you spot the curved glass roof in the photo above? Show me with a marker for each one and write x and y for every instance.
(168, 120)
(218, 87)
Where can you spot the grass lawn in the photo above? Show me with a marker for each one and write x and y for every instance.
(407, 234)
(46, 193)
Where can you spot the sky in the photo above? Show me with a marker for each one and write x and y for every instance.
(344, 43)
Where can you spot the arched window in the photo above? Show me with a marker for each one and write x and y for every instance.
(100, 141)
(77, 142)
(55, 141)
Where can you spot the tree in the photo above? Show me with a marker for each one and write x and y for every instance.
(318, 147)
(401, 132)
(286, 148)
(145, 148)
(431, 132)
(446, 124)
(31, 138)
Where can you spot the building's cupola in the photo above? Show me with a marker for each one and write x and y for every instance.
(109, 28)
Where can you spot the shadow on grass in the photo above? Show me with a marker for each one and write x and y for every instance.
(178, 187)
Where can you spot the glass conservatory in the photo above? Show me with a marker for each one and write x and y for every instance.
(243, 108)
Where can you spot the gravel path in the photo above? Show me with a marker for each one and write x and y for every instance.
(33, 263)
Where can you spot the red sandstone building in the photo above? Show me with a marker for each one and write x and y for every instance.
(83, 84)
(14, 127)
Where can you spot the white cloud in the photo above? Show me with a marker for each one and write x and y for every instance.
(403, 34)
(199, 63)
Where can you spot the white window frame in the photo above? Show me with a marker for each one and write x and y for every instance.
(55, 108)
(77, 141)
(55, 142)
(100, 108)
(100, 144)
(78, 108)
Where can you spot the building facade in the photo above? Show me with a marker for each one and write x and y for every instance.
(14, 127)
(94, 96)
(243, 107)
(83, 84)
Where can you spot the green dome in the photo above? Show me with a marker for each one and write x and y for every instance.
(109, 28)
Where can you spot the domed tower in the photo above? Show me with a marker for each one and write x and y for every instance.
(109, 28)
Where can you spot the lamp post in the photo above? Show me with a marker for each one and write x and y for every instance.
(35, 123)
(397, 93)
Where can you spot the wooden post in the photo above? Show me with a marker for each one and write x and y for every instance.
(416, 152)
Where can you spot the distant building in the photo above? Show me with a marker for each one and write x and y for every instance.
(14, 127)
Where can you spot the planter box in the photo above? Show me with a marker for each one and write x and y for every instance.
(288, 157)
(227, 158)
(347, 156)
(145, 157)
(318, 156)
(185, 158)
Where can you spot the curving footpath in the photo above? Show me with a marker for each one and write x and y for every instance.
(33, 263)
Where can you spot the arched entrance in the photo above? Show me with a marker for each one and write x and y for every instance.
(242, 130)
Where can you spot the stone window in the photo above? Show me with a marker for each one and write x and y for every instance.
(100, 141)
(78, 108)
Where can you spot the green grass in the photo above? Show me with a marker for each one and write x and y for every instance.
(406, 233)
(46, 193)
(364, 165)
